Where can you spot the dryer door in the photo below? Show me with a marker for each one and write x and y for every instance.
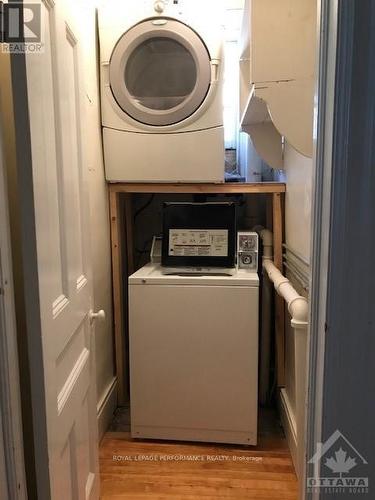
(160, 72)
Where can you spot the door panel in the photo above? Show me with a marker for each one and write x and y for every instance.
(55, 94)
(67, 58)
(160, 73)
(212, 361)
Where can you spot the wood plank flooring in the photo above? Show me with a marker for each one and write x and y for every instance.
(144, 470)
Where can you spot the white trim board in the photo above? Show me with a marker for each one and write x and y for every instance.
(321, 216)
(342, 319)
(106, 407)
(12, 475)
(288, 421)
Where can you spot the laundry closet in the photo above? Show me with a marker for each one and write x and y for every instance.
(165, 151)
(188, 126)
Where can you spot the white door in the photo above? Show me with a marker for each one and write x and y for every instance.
(56, 102)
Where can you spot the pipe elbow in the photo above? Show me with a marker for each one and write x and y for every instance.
(267, 240)
(298, 306)
(299, 310)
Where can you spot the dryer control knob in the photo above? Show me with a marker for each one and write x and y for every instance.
(159, 6)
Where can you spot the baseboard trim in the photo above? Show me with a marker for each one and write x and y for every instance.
(288, 421)
(106, 407)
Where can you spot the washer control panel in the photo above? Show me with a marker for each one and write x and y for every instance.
(247, 250)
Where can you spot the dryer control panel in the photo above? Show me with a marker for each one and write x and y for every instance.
(168, 7)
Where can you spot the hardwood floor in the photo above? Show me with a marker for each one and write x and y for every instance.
(140, 470)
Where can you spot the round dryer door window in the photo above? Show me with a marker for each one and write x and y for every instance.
(160, 72)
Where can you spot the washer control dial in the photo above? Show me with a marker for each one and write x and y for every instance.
(247, 259)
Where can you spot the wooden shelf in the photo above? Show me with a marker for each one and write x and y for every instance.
(122, 247)
(225, 188)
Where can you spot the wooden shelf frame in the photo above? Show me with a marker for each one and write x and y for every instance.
(226, 188)
(122, 219)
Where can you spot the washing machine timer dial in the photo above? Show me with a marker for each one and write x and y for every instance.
(159, 6)
(247, 242)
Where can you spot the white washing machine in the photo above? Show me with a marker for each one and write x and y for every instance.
(161, 65)
(194, 356)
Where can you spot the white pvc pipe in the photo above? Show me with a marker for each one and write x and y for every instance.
(297, 305)
(267, 240)
(298, 309)
(265, 341)
(265, 336)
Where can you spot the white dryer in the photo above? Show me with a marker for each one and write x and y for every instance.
(161, 65)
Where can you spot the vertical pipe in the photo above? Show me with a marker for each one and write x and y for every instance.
(265, 341)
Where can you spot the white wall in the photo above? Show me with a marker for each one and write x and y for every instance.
(100, 229)
(298, 170)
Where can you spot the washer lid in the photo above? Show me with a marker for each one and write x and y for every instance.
(151, 274)
(160, 72)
